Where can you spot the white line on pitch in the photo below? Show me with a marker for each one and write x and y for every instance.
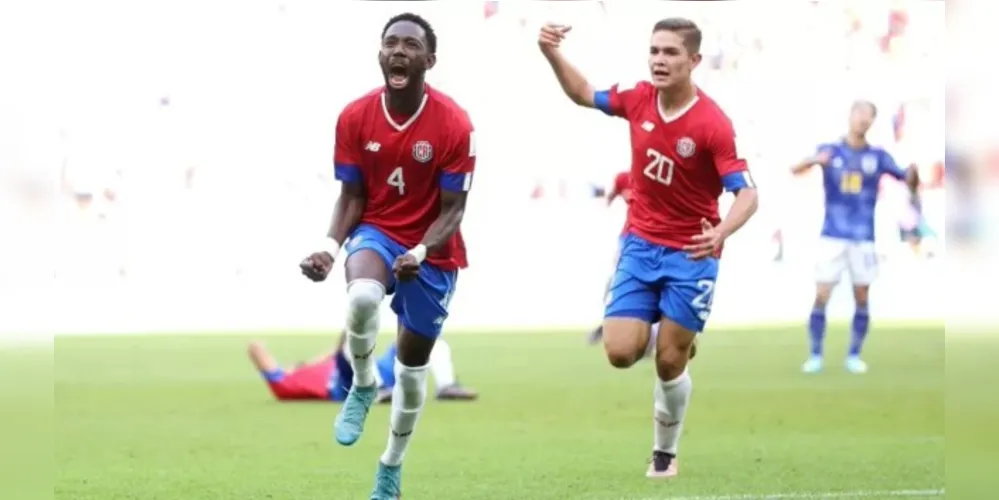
(811, 496)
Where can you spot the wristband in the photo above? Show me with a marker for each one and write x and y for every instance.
(330, 246)
(419, 251)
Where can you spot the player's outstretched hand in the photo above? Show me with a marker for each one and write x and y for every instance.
(317, 266)
(551, 36)
(706, 243)
(406, 267)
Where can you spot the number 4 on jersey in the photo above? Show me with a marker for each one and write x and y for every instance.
(395, 180)
(660, 167)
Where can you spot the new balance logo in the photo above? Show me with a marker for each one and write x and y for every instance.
(671, 423)
(648, 126)
(372, 146)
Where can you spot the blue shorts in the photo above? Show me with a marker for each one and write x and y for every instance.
(420, 304)
(653, 281)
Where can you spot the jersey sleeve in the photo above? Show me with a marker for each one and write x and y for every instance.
(888, 166)
(346, 156)
(459, 163)
(615, 101)
(733, 170)
(621, 182)
(825, 147)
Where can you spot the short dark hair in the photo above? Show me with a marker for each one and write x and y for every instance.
(861, 102)
(686, 28)
(419, 21)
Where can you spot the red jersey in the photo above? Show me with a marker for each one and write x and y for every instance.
(679, 163)
(404, 166)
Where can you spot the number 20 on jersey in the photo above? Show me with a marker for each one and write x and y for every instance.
(660, 167)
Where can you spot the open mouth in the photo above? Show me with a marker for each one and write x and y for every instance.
(660, 73)
(398, 75)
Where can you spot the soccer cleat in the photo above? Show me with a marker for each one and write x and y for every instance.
(455, 392)
(596, 335)
(813, 365)
(388, 482)
(856, 365)
(350, 421)
(662, 465)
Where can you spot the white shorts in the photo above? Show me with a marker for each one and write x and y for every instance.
(837, 255)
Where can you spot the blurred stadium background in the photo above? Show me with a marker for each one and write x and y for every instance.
(206, 157)
(174, 167)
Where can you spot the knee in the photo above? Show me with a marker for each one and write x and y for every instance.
(671, 360)
(821, 299)
(363, 297)
(625, 343)
(620, 358)
(860, 299)
(411, 381)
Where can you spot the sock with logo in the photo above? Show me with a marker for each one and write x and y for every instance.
(671, 399)
(408, 396)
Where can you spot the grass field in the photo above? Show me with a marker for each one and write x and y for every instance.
(185, 418)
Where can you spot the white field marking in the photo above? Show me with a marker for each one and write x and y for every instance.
(810, 496)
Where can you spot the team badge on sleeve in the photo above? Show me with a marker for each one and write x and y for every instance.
(685, 147)
(423, 151)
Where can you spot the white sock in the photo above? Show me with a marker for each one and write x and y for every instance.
(408, 395)
(441, 365)
(650, 349)
(671, 400)
(363, 298)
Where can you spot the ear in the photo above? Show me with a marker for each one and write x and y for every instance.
(431, 60)
(696, 59)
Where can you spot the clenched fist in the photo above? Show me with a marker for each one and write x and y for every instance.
(317, 266)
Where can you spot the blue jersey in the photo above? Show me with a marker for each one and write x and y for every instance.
(851, 181)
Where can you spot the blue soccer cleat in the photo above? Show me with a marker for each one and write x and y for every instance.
(349, 423)
(388, 481)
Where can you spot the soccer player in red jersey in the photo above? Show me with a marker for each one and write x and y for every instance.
(683, 155)
(405, 154)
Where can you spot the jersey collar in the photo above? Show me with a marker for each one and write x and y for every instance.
(404, 126)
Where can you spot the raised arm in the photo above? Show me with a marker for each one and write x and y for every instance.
(821, 157)
(573, 83)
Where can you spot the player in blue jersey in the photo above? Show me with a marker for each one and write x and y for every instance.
(851, 174)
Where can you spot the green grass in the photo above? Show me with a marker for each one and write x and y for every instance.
(186, 418)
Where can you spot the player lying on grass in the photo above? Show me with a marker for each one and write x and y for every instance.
(683, 156)
(328, 377)
(851, 176)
